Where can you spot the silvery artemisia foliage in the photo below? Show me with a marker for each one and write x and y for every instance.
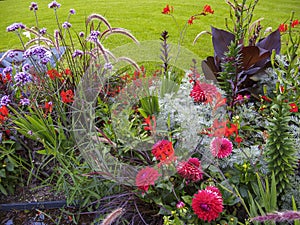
(187, 120)
(295, 128)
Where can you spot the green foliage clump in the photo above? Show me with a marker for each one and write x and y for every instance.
(281, 151)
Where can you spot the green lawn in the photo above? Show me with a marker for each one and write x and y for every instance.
(143, 18)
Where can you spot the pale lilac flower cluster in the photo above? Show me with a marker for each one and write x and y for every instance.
(40, 52)
(72, 11)
(43, 31)
(22, 78)
(7, 70)
(33, 6)
(54, 5)
(94, 36)
(66, 25)
(24, 101)
(15, 26)
(4, 101)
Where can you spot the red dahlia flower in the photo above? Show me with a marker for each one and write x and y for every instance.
(146, 177)
(220, 147)
(208, 204)
(163, 150)
(198, 94)
(190, 170)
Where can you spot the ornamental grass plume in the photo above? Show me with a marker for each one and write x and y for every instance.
(190, 170)
(110, 218)
(208, 204)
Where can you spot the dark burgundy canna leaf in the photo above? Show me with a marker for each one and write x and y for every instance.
(251, 55)
(221, 39)
(272, 41)
(209, 68)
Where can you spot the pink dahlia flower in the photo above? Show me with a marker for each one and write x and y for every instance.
(220, 147)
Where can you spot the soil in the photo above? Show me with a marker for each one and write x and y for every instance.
(66, 215)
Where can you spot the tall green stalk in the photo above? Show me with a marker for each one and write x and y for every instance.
(280, 149)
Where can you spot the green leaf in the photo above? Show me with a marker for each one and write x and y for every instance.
(187, 199)
(2, 189)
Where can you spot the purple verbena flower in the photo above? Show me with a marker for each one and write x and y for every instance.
(81, 34)
(33, 6)
(43, 31)
(24, 101)
(77, 53)
(22, 78)
(7, 70)
(12, 54)
(108, 66)
(72, 11)
(54, 5)
(94, 36)
(15, 26)
(39, 52)
(26, 67)
(66, 25)
(4, 100)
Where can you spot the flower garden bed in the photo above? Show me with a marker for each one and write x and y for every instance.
(97, 135)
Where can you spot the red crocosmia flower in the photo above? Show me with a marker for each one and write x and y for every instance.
(53, 74)
(197, 93)
(3, 114)
(218, 128)
(220, 147)
(238, 139)
(150, 123)
(163, 150)
(207, 9)
(5, 78)
(207, 204)
(233, 129)
(191, 20)
(190, 170)
(67, 96)
(68, 72)
(283, 27)
(168, 10)
(294, 107)
(265, 98)
(295, 23)
(48, 107)
(146, 177)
